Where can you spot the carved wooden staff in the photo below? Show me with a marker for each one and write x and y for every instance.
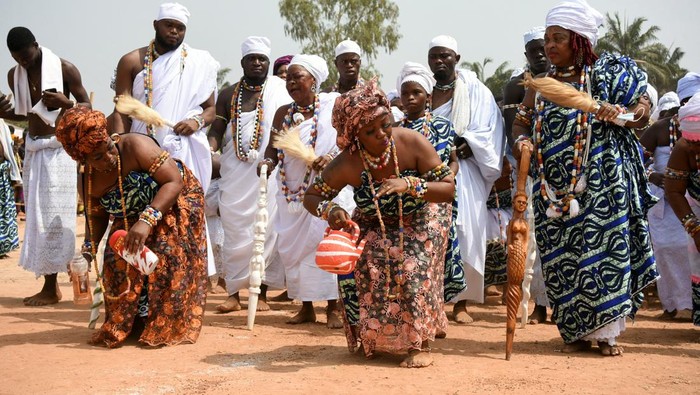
(257, 261)
(517, 232)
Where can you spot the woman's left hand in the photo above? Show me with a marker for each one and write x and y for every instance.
(136, 238)
(392, 185)
(321, 162)
(608, 112)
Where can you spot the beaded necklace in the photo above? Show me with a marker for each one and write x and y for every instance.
(236, 135)
(93, 245)
(360, 82)
(564, 72)
(557, 207)
(151, 54)
(378, 162)
(446, 87)
(385, 241)
(673, 131)
(252, 88)
(295, 198)
(425, 129)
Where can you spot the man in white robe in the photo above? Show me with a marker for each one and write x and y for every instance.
(42, 84)
(460, 97)
(244, 114)
(179, 82)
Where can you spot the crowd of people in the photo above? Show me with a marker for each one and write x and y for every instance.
(424, 170)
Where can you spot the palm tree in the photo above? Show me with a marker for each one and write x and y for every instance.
(497, 81)
(221, 78)
(660, 62)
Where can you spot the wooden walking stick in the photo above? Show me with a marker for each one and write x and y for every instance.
(517, 232)
(257, 261)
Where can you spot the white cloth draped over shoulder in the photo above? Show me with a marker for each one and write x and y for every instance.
(476, 118)
(51, 78)
(180, 85)
(670, 245)
(239, 196)
(50, 197)
(299, 233)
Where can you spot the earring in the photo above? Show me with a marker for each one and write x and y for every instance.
(116, 137)
(313, 87)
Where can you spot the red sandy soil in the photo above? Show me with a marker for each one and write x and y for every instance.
(44, 350)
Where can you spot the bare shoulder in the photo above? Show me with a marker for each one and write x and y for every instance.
(513, 92)
(280, 114)
(226, 94)
(133, 58)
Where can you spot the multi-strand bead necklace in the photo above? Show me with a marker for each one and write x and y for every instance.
(673, 131)
(151, 55)
(295, 198)
(425, 130)
(236, 110)
(385, 241)
(93, 244)
(567, 204)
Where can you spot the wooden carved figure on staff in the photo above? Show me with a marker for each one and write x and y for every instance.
(517, 232)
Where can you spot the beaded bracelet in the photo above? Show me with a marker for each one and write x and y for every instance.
(438, 173)
(222, 118)
(523, 137)
(158, 162)
(324, 208)
(324, 189)
(524, 120)
(692, 232)
(200, 121)
(691, 223)
(150, 216)
(673, 174)
(687, 217)
(417, 187)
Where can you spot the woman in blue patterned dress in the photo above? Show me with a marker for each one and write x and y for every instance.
(415, 84)
(590, 193)
(682, 175)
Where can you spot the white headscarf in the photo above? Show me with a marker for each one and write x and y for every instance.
(315, 65)
(416, 72)
(347, 46)
(444, 41)
(174, 11)
(536, 33)
(668, 101)
(391, 95)
(577, 16)
(256, 45)
(653, 96)
(689, 118)
(688, 86)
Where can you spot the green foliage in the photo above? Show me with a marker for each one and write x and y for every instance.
(661, 63)
(221, 78)
(319, 25)
(497, 81)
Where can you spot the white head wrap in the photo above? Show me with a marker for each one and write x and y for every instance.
(668, 101)
(688, 86)
(416, 72)
(536, 33)
(256, 45)
(315, 65)
(577, 16)
(174, 11)
(689, 117)
(444, 41)
(347, 46)
(393, 94)
(517, 72)
(653, 96)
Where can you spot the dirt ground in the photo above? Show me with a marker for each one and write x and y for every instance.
(44, 350)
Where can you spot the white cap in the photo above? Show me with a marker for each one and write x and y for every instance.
(444, 41)
(315, 65)
(256, 45)
(536, 33)
(347, 46)
(175, 11)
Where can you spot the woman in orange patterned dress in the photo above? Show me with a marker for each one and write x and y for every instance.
(160, 204)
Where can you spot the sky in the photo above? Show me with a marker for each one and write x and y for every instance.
(94, 34)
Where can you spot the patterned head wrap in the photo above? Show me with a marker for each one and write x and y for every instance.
(355, 109)
(81, 131)
(281, 61)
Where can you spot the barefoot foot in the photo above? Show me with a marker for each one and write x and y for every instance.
(607, 350)
(417, 359)
(667, 315)
(538, 316)
(220, 287)
(493, 290)
(577, 346)
(459, 313)
(333, 320)
(43, 298)
(281, 298)
(306, 314)
(231, 304)
(262, 305)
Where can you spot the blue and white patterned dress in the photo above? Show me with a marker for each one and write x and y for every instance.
(596, 264)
